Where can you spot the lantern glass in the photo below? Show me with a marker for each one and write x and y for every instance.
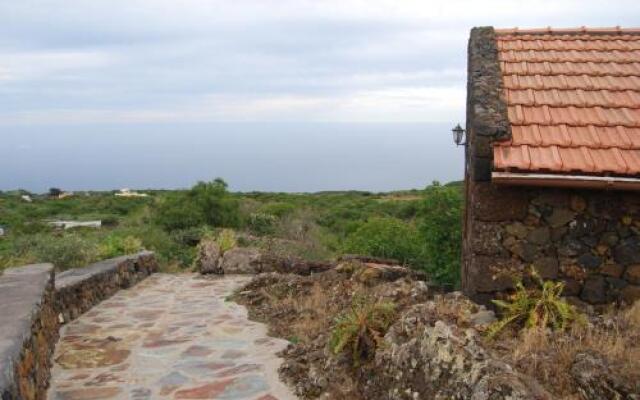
(458, 133)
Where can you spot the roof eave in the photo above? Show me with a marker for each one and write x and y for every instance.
(565, 181)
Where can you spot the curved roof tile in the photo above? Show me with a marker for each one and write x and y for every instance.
(573, 98)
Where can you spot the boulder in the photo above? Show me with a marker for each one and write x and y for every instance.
(426, 354)
(373, 273)
(241, 260)
(208, 258)
(595, 380)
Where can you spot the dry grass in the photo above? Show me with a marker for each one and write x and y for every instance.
(313, 311)
(632, 315)
(549, 356)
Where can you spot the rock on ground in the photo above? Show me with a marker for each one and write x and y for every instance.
(595, 380)
(241, 260)
(434, 348)
(208, 258)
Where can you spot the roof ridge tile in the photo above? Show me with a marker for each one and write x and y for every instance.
(567, 31)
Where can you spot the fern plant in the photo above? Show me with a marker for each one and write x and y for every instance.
(362, 327)
(540, 307)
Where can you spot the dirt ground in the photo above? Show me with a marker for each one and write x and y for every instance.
(302, 309)
(602, 356)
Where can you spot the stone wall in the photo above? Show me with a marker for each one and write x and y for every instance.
(34, 301)
(251, 260)
(28, 331)
(77, 290)
(588, 239)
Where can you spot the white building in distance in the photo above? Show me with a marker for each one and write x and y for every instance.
(130, 193)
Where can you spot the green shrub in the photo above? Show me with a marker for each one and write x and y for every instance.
(32, 228)
(262, 224)
(110, 221)
(388, 238)
(115, 245)
(361, 328)
(167, 247)
(226, 240)
(65, 251)
(8, 261)
(278, 209)
(205, 203)
(215, 203)
(540, 307)
(175, 212)
(189, 236)
(440, 222)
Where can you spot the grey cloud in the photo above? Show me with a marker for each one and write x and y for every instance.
(166, 53)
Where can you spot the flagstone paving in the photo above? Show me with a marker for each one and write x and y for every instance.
(169, 337)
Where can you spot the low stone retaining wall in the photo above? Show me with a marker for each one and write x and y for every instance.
(250, 260)
(28, 331)
(34, 301)
(77, 290)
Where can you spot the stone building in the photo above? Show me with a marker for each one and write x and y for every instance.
(553, 161)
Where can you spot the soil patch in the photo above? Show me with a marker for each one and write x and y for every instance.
(435, 345)
(302, 309)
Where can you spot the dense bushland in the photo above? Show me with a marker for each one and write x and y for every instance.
(207, 203)
(420, 228)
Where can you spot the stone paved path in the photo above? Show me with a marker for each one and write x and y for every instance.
(169, 337)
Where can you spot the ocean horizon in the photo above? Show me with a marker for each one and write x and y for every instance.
(250, 156)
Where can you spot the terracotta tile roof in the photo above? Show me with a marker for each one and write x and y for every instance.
(573, 98)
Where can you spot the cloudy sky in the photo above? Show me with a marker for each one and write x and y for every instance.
(123, 68)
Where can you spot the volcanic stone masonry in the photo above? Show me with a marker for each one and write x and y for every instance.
(77, 290)
(28, 331)
(588, 239)
(33, 308)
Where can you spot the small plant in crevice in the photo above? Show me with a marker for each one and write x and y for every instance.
(538, 307)
(361, 328)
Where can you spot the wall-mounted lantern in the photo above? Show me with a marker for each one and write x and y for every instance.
(458, 135)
